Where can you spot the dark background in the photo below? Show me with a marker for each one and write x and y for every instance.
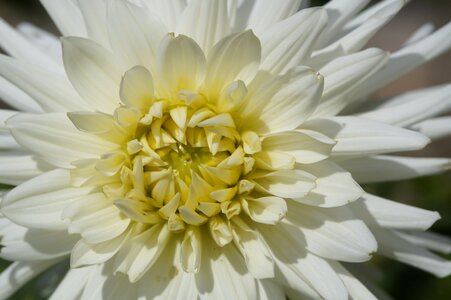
(434, 193)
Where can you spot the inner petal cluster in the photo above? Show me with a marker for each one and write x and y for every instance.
(180, 161)
(184, 165)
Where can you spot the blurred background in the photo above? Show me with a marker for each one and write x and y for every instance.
(433, 193)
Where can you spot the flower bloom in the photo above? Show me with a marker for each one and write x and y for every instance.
(212, 149)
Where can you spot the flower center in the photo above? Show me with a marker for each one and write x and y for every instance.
(180, 163)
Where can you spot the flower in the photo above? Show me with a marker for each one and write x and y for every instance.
(211, 149)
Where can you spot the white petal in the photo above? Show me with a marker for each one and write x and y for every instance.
(134, 34)
(143, 251)
(55, 138)
(206, 22)
(267, 210)
(390, 214)
(266, 13)
(22, 244)
(72, 285)
(181, 64)
(355, 288)
(95, 218)
(339, 12)
(256, 253)
(283, 102)
(18, 274)
(294, 260)
(16, 168)
(343, 75)
(289, 43)
(355, 38)
(168, 11)
(429, 240)
(50, 90)
(90, 254)
(38, 203)
(16, 98)
(306, 146)
(16, 45)
(360, 137)
(436, 128)
(95, 17)
(93, 71)
(333, 233)
(387, 168)
(393, 246)
(407, 59)
(422, 32)
(234, 57)
(413, 107)
(137, 88)
(269, 290)
(66, 15)
(285, 183)
(225, 266)
(46, 41)
(334, 186)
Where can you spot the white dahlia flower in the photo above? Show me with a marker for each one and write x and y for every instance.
(212, 149)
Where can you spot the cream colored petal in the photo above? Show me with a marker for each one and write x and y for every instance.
(358, 137)
(72, 285)
(16, 168)
(266, 210)
(143, 251)
(181, 64)
(407, 59)
(95, 218)
(285, 183)
(334, 186)
(67, 17)
(305, 146)
(38, 203)
(393, 246)
(298, 266)
(191, 250)
(134, 34)
(356, 289)
(436, 128)
(50, 90)
(93, 71)
(430, 240)
(22, 244)
(95, 19)
(283, 102)
(333, 233)
(394, 215)
(235, 57)
(91, 254)
(19, 46)
(266, 13)
(207, 22)
(18, 274)
(16, 98)
(389, 168)
(137, 88)
(168, 11)
(251, 245)
(290, 42)
(339, 12)
(43, 39)
(55, 139)
(344, 75)
(413, 106)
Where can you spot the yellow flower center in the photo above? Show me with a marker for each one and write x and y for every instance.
(180, 163)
